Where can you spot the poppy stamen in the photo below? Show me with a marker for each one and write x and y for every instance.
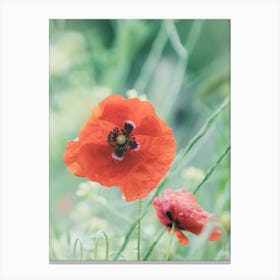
(169, 215)
(122, 140)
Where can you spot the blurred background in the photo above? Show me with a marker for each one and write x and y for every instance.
(183, 68)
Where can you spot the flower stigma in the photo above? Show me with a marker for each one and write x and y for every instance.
(122, 140)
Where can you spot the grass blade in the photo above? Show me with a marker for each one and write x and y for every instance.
(75, 249)
(101, 234)
(106, 244)
(154, 244)
(211, 169)
(200, 134)
(139, 230)
(152, 60)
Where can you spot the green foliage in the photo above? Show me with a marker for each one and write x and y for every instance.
(182, 67)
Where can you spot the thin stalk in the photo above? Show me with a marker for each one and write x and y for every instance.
(211, 169)
(104, 235)
(75, 249)
(53, 254)
(194, 35)
(170, 242)
(139, 229)
(175, 38)
(96, 248)
(134, 224)
(200, 134)
(107, 245)
(152, 60)
(68, 235)
(127, 236)
(184, 51)
(154, 244)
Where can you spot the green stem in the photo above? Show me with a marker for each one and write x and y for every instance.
(184, 51)
(199, 135)
(96, 248)
(175, 38)
(211, 169)
(152, 60)
(75, 249)
(139, 228)
(154, 244)
(170, 242)
(105, 236)
(195, 32)
(68, 235)
(133, 225)
(107, 246)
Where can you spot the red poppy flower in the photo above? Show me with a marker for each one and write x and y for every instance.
(181, 209)
(123, 144)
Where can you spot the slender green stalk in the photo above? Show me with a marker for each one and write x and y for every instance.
(96, 248)
(126, 239)
(53, 254)
(134, 224)
(154, 244)
(152, 60)
(206, 126)
(211, 169)
(194, 35)
(107, 245)
(104, 235)
(75, 248)
(200, 134)
(139, 229)
(170, 242)
(175, 38)
(68, 236)
(184, 50)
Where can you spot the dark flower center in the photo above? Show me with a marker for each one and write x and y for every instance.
(175, 222)
(122, 140)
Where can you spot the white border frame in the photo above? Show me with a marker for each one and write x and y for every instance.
(254, 137)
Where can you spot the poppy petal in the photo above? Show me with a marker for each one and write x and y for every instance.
(160, 213)
(117, 109)
(70, 158)
(96, 132)
(215, 235)
(151, 167)
(100, 166)
(149, 125)
(181, 237)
